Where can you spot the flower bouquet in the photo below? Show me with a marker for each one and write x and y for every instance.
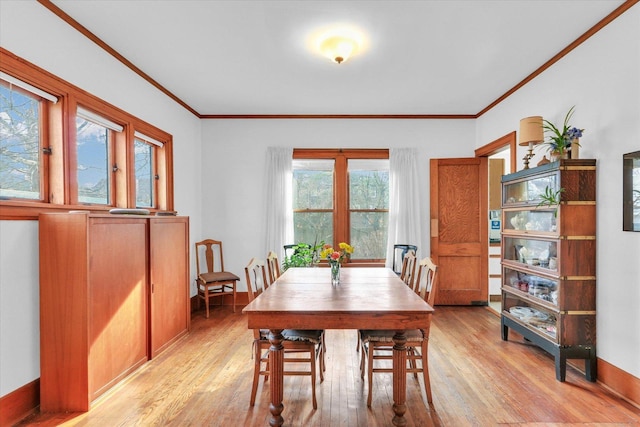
(335, 258)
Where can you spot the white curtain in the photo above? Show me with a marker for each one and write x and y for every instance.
(277, 198)
(404, 200)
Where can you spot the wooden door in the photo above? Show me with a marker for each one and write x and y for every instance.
(169, 271)
(117, 300)
(459, 230)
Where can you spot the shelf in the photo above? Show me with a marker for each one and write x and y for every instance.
(548, 260)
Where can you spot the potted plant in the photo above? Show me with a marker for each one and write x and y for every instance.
(304, 255)
(561, 140)
(551, 198)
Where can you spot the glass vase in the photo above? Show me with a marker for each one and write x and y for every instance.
(335, 273)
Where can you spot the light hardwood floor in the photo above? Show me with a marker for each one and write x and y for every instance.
(476, 378)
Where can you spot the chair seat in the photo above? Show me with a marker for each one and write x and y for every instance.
(219, 276)
(368, 335)
(312, 336)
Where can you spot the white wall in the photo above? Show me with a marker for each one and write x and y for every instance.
(234, 154)
(32, 32)
(602, 79)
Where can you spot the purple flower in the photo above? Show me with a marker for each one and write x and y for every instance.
(573, 133)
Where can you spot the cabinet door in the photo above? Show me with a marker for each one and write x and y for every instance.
(117, 300)
(169, 243)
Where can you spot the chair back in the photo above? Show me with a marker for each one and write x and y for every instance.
(409, 269)
(273, 267)
(256, 276)
(426, 281)
(209, 258)
(289, 250)
(399, 252)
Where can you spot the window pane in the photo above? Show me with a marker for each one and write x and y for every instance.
(20, 160)
(144, 174)
(93, 162)
(313, 184)
(369, 188)
(369, 234)
(369, 191)
(313, 227)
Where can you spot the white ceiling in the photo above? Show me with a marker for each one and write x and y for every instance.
(421, 57)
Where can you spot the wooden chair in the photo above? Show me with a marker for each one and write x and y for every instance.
(408, 268)
(296, 342)
(406, 275)
(399, 252)
(273, 267)
(378, 345)
(212, 280)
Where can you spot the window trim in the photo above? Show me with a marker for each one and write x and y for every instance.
(341, 215)
(58, 174)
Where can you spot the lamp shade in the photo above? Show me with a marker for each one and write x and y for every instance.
(531, 131)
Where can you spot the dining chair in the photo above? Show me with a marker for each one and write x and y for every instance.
(296, 342)
(408, 272)
(273, 267)
(378, 344)
(399, 251)
(212, 280)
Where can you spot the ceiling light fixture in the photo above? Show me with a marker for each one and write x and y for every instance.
(339, 44)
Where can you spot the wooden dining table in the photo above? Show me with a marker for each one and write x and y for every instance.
(365, 298)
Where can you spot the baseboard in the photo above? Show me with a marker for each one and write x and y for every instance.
(242, 299)
(20, 403)
(619, 381)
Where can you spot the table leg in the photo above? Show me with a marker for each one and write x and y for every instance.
(399, 378)
(276, 366)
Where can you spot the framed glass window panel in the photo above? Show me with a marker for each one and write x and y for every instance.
(313, 200)
(368, 207)
(20, 134)
(144, 173)
(93, 162)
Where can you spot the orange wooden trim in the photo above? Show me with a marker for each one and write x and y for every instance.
(577, 42)
(331, 153)
(88, 34)
(338, 116)
(20, 403)
(494, 146)
(619, 381)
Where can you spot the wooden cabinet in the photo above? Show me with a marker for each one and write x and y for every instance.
(114, 292)
(549, 260)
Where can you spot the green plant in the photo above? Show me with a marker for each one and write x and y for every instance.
(304, 255)
(559, 140)
(551, 198)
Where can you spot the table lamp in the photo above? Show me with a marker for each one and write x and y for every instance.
(531, 133)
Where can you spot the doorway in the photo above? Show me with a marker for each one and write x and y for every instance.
(501, 155)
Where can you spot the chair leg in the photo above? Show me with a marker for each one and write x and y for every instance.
(362, 356)
(371, 349)
(206, 302)
(234, 297)
(312, 353)
(256, 372)
(425, 370)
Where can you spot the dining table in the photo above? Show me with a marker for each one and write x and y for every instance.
(364, 298)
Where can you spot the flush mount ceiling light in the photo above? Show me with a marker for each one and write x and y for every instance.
(339, 44)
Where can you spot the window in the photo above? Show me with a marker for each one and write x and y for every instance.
(62, 148)
(369, 206)
(94, 141)
(145, 177)
(342, 196)
(20, 133)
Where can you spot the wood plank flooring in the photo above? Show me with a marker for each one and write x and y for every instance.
(476, 378)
